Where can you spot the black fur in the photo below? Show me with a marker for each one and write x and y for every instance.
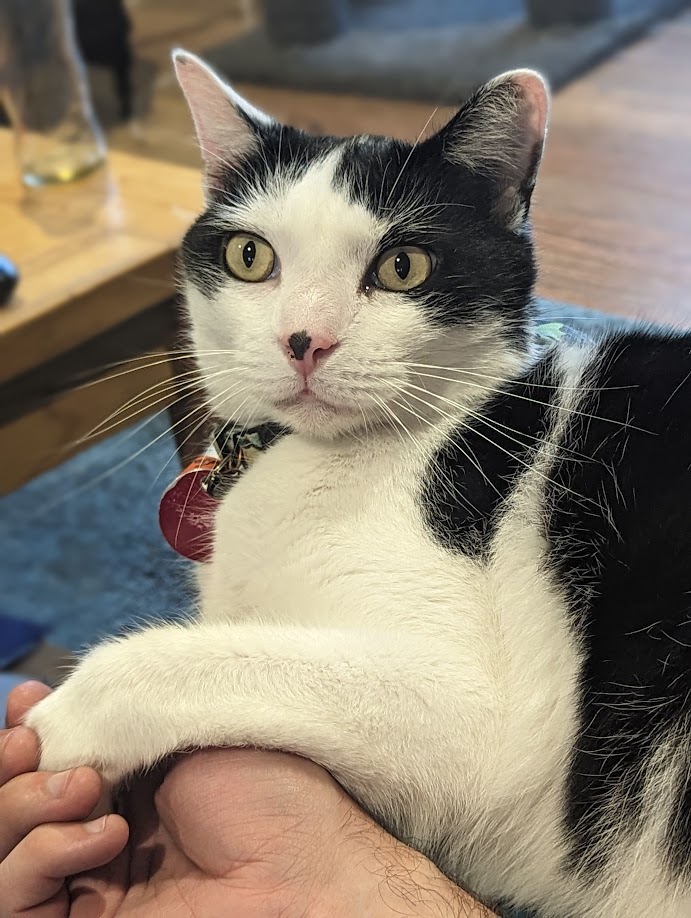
(279, 148)
(483, 267)
(626, 571)
(618, 527)
(470, 478)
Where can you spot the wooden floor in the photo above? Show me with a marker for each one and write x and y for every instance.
(613, 207)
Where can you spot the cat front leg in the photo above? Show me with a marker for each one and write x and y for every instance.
(377, 709)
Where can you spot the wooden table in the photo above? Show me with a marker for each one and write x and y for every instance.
(97, 264)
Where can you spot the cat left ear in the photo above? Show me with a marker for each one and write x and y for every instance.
(228, 127)
(500, 134)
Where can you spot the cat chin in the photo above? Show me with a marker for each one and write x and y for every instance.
(319, 420)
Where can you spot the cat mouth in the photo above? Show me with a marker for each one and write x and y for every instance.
(307, 398)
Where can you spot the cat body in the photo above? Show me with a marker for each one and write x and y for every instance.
(490, 627)
(461, 581)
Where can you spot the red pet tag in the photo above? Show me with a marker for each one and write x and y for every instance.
(187, 508)
(186, 512)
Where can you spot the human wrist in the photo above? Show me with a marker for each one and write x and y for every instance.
(378, 876)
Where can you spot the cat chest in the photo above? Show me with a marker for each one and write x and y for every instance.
(308, 533)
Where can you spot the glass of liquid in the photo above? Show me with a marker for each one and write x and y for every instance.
(45, 92)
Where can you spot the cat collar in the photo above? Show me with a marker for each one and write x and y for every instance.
(187, 507)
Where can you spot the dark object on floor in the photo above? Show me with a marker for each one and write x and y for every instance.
(18, 637)
(543, 13)
(437, 50)
(305, 22)
(103, 31)
(82, 553)
(8, 279)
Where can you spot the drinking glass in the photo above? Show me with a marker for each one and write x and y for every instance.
(45, 91)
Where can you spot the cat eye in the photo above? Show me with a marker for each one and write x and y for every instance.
(249, 258)
(403, 268)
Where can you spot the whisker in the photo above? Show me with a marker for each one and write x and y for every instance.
(196, 427)
(162, 388)
(392, 416)
(148, 400)
(409, 156)
(469, 455)
(482, 375)
(442, 479)
(574, 411)
(161, 357)
(528, 466)
(492, 423)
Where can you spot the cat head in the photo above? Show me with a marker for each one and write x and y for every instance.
(335, 284)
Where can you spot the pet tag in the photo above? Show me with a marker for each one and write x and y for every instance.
(186, 511)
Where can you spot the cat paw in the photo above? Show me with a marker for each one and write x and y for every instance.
(95, 718)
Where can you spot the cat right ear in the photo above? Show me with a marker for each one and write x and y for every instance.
(227, 126)
(500, 133)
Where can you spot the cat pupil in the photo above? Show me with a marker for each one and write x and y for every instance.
(249, 253)
(402, 265)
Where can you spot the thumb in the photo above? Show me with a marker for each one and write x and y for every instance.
(22, 698)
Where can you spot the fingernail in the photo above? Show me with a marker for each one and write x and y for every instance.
(96, 825)
(56, 785)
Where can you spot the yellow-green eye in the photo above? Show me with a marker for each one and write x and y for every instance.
(249, 258)
(403, 268)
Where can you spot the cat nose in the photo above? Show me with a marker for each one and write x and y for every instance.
(305, 351)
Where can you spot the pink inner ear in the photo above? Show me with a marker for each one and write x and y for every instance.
(223, 133)
(536, 97)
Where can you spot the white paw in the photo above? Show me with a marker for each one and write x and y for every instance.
(98, 717)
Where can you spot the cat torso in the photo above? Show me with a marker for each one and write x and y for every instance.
(367, 535)
(324, 535)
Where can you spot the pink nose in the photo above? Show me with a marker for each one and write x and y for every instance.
(305, 351)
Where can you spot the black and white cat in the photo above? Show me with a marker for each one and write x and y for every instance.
(462, 583)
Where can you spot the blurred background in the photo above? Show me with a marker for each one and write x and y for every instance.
(99, 178)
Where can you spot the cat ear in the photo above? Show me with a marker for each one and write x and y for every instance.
(500, 134)
(227, 126)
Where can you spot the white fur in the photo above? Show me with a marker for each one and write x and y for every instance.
(323, 261)
(441, 690)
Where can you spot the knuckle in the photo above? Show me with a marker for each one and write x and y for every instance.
(20, 790)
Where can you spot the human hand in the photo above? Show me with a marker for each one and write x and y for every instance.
(229, 831)
(44, 833)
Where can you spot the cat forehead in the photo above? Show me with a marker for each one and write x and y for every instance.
(309, 201)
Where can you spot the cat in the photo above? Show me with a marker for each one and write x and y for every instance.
(461, 581)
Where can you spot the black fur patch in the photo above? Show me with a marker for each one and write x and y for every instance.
(483, 268)
(626, 572)
(470, 478)
(280, 148)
